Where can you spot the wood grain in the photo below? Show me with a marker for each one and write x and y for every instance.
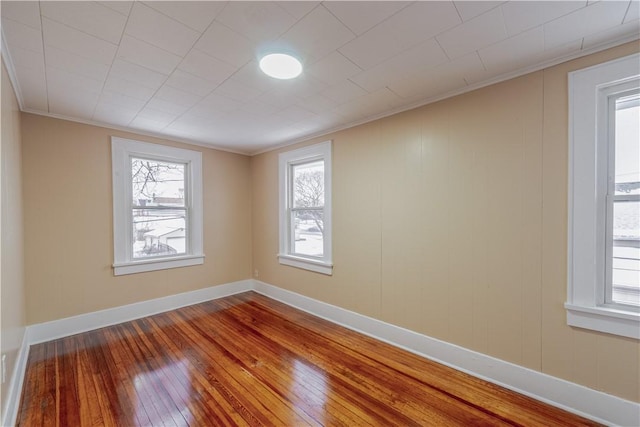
(247, 360)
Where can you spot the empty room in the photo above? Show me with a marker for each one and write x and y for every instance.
(320, 213)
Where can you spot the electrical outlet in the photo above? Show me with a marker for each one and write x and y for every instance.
(4, 368)
(256, 273)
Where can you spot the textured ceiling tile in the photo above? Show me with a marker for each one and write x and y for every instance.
(360, 17)
(318, 103)
(510, 54)
(122, 100)
(207, 67)
(167, 106)
(589, 20)
(409, 27)
(344, 92)
(474, 34)
(236, 49)
(195, 14)
(628, 29)
(113, 114)
(251, 75)
(418, 88)
(259, 21)
(177, 96)
(471, 9)
(236, 89)
(298, 9)
(73, 63)
(157, 29)
(24, 12)
(74, 41)
(333, 68)
(633, 13)
(120, 6)
(523, 15)
(153, 58)
(416, 59)
(215, 102)
(316, 35)
(24, 60)
(148, 124)
(33, 88)
(126, 87)
(60, 80)
(22, 36)
(88, 17)
(137, 74)
(189, 83)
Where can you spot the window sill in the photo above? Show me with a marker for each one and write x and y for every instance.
(156, 264)
(306, 264)
(603, 319)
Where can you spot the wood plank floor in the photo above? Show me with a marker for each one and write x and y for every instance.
(249, 360)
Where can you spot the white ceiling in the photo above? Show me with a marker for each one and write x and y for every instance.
(188, 70)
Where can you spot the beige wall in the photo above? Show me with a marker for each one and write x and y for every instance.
(451, 220)
(12, 287)
(69, 228)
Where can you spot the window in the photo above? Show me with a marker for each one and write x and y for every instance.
(623, 207)
(157, 206)
(604, 198)
(305, 208)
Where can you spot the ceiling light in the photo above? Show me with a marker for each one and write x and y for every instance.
(280, 66)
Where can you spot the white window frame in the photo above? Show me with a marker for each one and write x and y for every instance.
(286, 161)
(590, 93)
(122, 150)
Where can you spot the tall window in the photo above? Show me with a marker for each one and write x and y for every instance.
(305, 208)
(604, 198)
(159, 210)
(623, 210)
(157, 201)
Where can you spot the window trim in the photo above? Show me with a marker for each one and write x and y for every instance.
(286, 160)
(589, 93)
(121, 152)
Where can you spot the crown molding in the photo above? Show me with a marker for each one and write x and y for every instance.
(8, 63)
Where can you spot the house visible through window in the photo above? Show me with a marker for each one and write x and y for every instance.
(157, 206)
(624, 211)
(159, 211)
(305, 208)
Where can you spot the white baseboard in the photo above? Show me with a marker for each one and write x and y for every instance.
(16, 381)
(55, 329)
(592, 404)
(589, 403)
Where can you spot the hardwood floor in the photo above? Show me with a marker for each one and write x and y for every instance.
(249, 360)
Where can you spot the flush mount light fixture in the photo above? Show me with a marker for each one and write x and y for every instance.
(280, 66)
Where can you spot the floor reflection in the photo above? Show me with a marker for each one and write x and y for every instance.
(172, 381)
(309, 388)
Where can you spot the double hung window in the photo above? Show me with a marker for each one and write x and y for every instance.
(305, 208)
(157, 206)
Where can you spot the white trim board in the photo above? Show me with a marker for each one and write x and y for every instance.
(589, 403)
(16, 381)
(55, 329)
(592, 404)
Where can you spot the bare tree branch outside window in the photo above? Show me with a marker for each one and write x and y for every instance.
(309, 193)
(147, 174)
